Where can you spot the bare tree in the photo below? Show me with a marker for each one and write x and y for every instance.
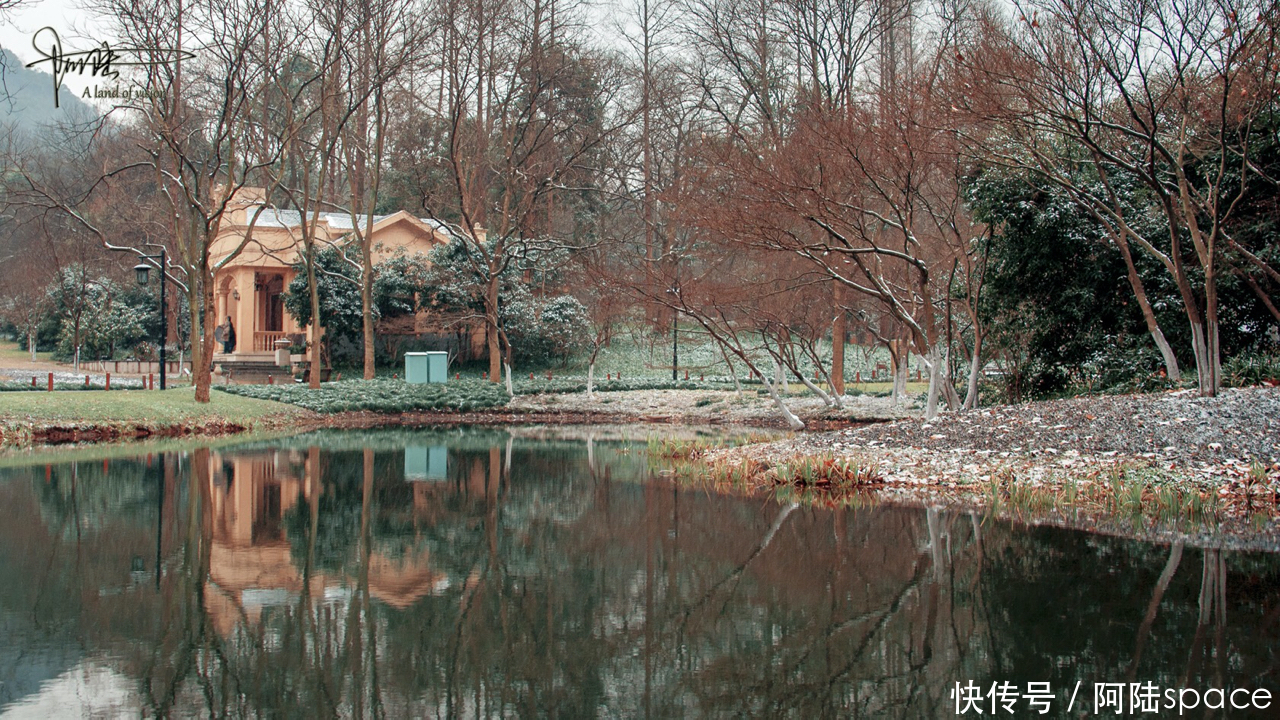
(524, 107)
(1163, 94)
(390, 39)
(192, 132)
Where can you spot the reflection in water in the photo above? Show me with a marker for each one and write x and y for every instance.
(471, 574)
(426, 463)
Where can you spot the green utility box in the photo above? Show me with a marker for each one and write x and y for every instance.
(426, 367)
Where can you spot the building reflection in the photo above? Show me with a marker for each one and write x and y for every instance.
(253, 561)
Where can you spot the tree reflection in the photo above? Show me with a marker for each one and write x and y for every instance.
(560, 579)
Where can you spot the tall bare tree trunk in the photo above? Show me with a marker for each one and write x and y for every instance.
(491, 328)
(203, 362)
(934, 363)
(838, 334)
(975, 369)
(1148, 315)
(900, 357)
(317, 331)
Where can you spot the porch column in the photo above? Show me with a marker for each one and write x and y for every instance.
(245, 316)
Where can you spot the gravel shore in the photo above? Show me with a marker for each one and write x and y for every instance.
(1225, 448)
(716, 407)
(1241, 424)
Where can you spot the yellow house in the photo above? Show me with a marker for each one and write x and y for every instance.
(250, 288)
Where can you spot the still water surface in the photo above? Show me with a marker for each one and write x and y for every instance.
(472, 573)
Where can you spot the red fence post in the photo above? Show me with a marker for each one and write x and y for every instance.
(50, 382)
(107, 384)
(86, 381)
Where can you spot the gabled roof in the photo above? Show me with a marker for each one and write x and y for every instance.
(274, 217)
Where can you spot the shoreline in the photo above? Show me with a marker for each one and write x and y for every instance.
(22, 435)
(1163, 467)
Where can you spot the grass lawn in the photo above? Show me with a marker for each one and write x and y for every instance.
(10, 352)
(150, 406)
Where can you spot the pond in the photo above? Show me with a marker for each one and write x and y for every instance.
(465, 573)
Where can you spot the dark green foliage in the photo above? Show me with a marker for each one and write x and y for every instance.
(395, 286)
(106, 319)
(544, 329)
(1057, 302)
(381, 396)
(1259, 365)
(540, 327)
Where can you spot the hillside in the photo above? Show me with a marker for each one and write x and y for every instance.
(26, 98)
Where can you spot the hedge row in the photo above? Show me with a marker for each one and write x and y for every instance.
(381, 396)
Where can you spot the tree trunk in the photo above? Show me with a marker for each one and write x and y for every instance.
(1139, 291)
(948, 388)
(934, 364)
(591, 378)
(792, 421)
(31, 343)
(510, 392)
(975, 371)
(317, 330)
(366, 312)
(838, 333)
(901, 359)
(737, 386)
(1214, 359)
(1200, 348)
(491, 329)
(813, 388)
(202, 328)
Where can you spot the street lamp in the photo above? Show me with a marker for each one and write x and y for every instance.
(143, 271)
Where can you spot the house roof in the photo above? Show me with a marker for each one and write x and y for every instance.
(275, 217)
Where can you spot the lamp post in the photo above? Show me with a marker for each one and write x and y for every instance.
(143, 270)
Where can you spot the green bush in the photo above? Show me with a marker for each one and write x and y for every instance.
(381, 396)
(544, 329)
(1251, 368)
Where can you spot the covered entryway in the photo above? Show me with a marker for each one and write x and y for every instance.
(268, 291)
